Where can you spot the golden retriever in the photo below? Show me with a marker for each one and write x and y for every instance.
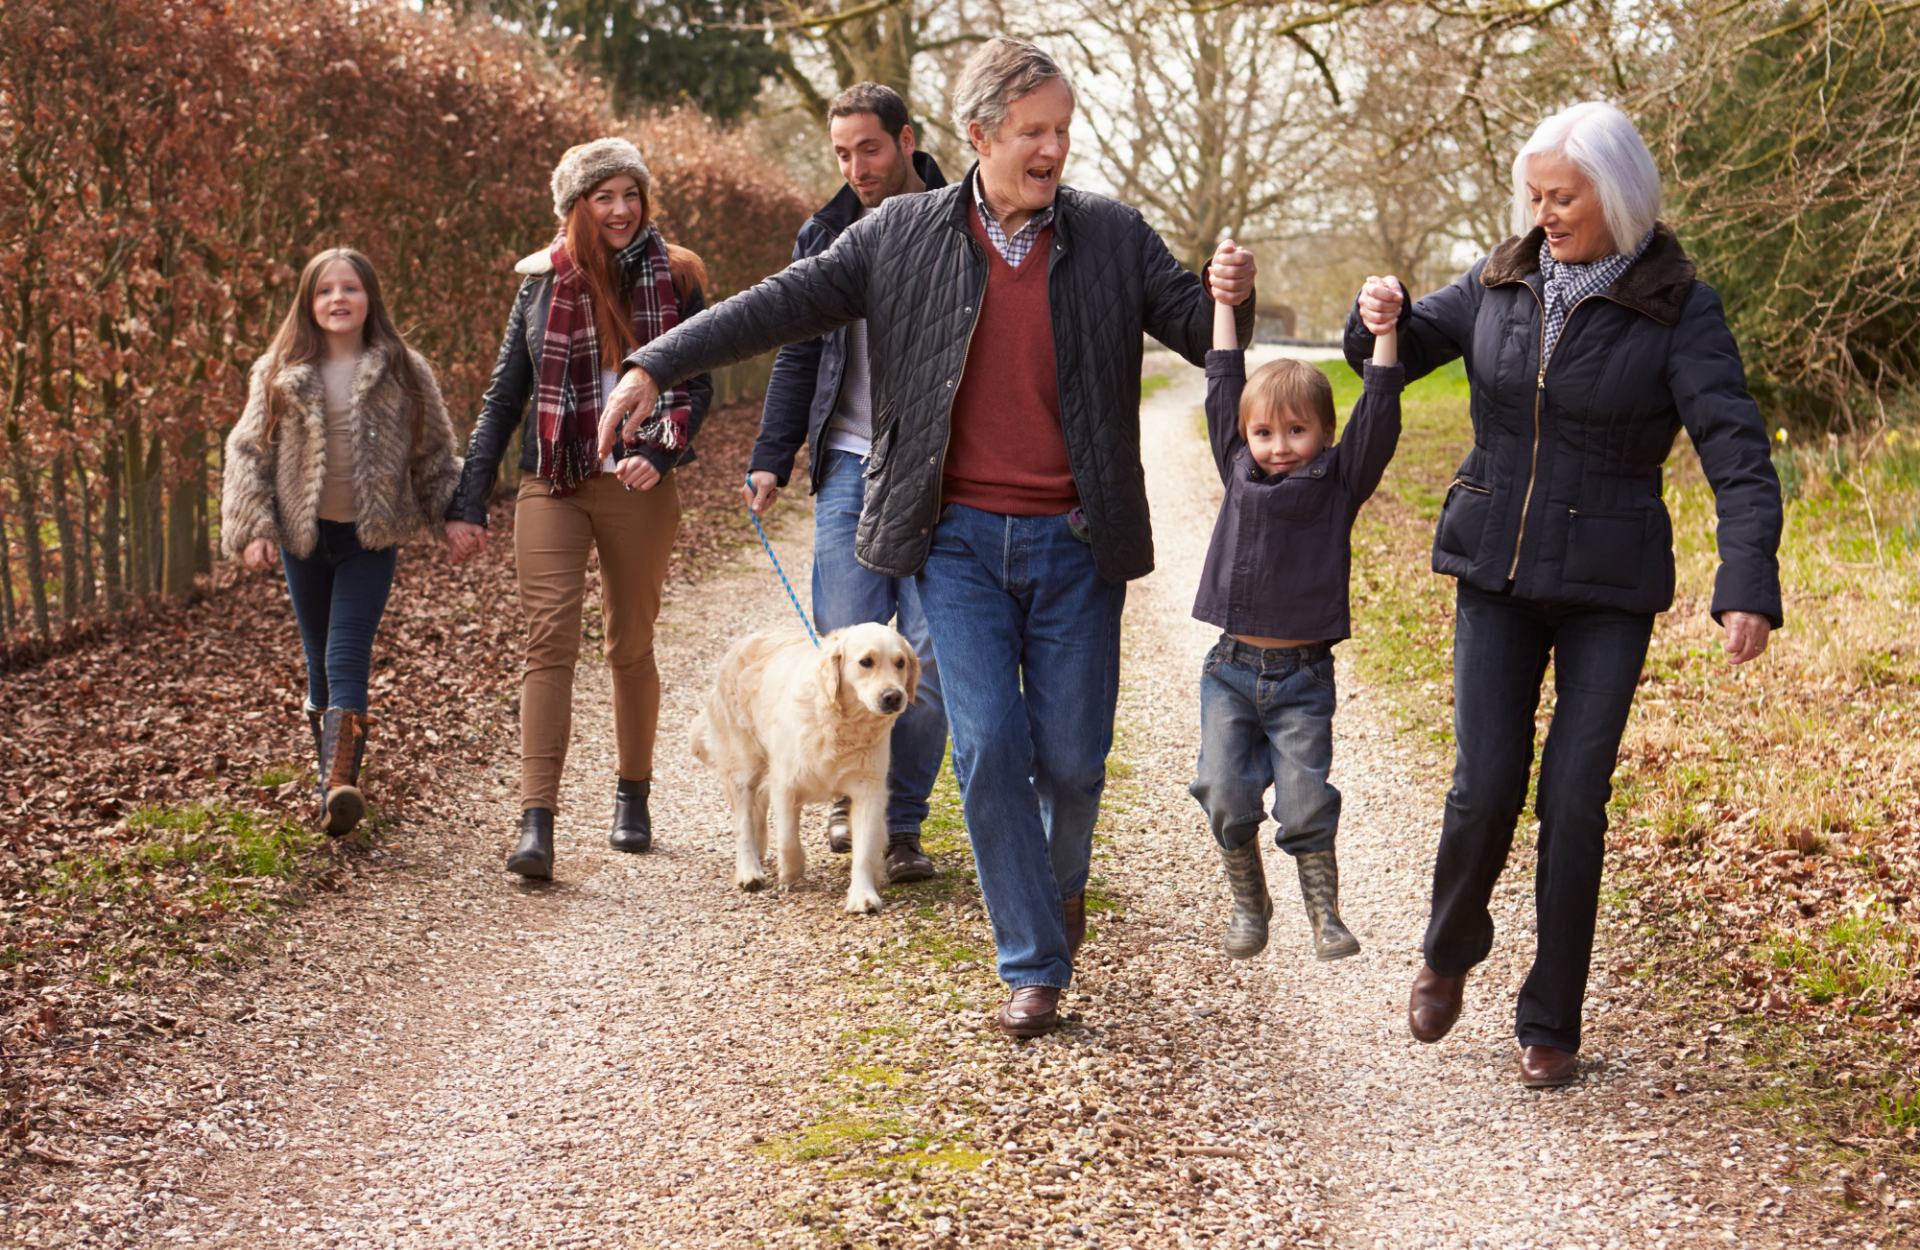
(788, 725)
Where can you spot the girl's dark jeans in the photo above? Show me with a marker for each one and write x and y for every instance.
(339, 593)
(1500, 650)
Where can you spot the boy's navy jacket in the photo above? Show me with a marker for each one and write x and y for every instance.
(1280, 557)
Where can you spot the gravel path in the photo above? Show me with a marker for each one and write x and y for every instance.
(639, 1055)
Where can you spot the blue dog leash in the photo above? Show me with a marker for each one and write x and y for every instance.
(791, 597)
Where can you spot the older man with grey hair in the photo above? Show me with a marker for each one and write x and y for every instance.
(1005, 317)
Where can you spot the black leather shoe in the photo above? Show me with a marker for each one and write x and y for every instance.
(632, 826)
(907, 862)
(533, 856)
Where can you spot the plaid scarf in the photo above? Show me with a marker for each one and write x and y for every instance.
(1568, 284)
(569, 401)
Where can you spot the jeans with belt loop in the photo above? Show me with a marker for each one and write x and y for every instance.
(1266, 719)
(1028, 635)
(339, 592)
(1501, 646)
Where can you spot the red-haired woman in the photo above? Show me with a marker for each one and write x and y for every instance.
(607, 285)
(344, 451)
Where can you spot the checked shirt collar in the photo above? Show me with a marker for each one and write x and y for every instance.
(1568, 284)
(1014, 249)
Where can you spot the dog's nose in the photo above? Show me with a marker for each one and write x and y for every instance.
(893, 700)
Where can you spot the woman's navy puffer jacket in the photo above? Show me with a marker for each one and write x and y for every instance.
(1560, 498)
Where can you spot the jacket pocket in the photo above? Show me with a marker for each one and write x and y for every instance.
(884, 427)
(1463, 519)
(1606, 548)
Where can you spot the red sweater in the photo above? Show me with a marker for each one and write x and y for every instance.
(1005, 452)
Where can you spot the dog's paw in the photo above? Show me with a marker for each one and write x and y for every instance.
(752, 882)
(862, 902)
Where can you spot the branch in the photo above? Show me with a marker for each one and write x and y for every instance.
(1326, 71)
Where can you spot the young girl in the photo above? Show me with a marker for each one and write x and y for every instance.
(344, 451)
(1275, 581)
(608, 284)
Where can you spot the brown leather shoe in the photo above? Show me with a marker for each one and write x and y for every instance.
(1543, 1067)
(1031, 1011)
(1434, 1005)
(840, 827)
(907, 862)
(1075, 911)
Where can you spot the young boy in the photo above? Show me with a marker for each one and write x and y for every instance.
(1276, 583)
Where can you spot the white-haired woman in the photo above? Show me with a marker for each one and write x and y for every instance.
(1589, 345)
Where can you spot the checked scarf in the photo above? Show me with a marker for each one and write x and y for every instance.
(1568, 284)
(569, 400)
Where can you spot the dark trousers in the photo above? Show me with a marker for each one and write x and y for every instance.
(1500, 650)
(339, 592)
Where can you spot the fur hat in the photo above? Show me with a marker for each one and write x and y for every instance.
(585, 167)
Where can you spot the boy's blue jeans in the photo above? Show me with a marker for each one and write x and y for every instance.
(1266, 719)
(339, 592)
(1028, 635)
(847, 593)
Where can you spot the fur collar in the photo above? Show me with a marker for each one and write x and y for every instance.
(302, 381)
(1656, 285)
(541, 262)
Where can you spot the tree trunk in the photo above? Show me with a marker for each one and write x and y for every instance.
(139, 527)
(177, 575)
(23, 486)
(7, 615)
(89, 581)
(155, 507)
(69, 547)
(110, 471)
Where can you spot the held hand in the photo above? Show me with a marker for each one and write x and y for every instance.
(1747, 634)
(637, 472)
(260, 554)
(1230, 277)
(630, 404)
(464, 541)
(1380, 301)
(763, 494)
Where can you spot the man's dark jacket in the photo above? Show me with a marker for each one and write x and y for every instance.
(913, 269)
(1561, 494)
(806, 381)
(516, 375)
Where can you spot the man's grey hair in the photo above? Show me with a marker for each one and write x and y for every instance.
(1601, 142)
(1001, 72)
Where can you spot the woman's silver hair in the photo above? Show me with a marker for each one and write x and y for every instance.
(1599, 141)
(1001, 72)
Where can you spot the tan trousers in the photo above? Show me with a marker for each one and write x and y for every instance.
(634, 533)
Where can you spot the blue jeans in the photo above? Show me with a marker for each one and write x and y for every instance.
(339, 593)
(1266, 719)
(1500, 649)
(846, 593)
(1028, 636)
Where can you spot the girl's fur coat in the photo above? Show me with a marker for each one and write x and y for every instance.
(272, 489)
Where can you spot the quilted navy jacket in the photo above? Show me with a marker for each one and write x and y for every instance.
(914, 271)
(1560, 498)
(806, 380)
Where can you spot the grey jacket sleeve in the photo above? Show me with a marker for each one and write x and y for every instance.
(1709, 387)
(805, 300)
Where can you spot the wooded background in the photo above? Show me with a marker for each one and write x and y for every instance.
(170, 164)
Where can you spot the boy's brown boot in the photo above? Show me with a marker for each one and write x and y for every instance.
(1320, 890)
(1252, 906)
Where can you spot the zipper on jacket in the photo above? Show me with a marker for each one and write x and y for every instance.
(946, 442)
(1539, 390)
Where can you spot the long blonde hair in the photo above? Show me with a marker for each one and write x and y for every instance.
(300, 339)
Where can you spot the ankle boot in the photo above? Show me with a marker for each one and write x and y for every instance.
(533, 855)
(315, 721)
(1252, 908)
(632, 826)
(343, 744)
(1320, 890)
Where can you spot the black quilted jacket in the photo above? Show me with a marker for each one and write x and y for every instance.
(914, 271)
(1560, 498)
